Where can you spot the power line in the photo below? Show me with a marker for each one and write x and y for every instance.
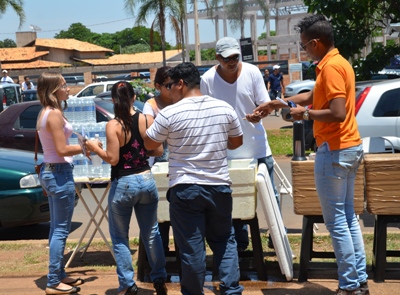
(57, 30)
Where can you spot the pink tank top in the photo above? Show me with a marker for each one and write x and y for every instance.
(46, 139)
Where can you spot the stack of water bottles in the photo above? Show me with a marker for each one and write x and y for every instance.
(81, 113)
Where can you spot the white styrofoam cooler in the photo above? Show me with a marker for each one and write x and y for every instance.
(242, 173)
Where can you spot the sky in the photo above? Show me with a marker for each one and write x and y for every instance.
(100, 16)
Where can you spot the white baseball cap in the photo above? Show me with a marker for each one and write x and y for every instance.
(227, 46)
(5, 71)
(276, 67)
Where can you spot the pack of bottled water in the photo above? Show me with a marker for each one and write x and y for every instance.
(81, 113)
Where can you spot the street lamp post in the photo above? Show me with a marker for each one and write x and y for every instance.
(141, 39)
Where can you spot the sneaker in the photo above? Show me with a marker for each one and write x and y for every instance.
(364, 288)
(277, 114)
(349, 292)
(159, 285)
(132, 290)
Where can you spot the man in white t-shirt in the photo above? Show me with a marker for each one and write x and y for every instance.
(6, 78)
(199, 129)
(242, 86)
(27, 84)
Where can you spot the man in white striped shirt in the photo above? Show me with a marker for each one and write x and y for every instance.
(199, 129)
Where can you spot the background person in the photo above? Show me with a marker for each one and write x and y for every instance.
(199, 129)
(132, 188)
(339, 148)
(152, 107)
(266, 79)
(241, 85)
(6, 78)
(27, 84)
(56, 176)
(276, 87)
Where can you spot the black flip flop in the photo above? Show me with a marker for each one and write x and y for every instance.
(76, 282)
(55, 290)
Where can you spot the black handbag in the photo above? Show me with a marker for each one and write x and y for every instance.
(38, 166)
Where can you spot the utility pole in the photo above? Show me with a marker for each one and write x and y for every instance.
(196, 36)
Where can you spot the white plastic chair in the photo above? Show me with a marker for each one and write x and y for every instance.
(376, 145)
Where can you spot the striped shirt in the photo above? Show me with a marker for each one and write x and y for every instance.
(197, 131)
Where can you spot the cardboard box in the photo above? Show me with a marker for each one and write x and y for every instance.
(305, 198)
(382, 176)
(243, 175)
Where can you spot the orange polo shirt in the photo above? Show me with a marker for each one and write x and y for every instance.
(335, 79)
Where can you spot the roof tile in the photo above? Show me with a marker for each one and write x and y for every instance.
(136, 58)
(70, 44)
(20, 54)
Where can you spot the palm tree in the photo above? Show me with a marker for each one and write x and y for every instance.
(17, 6)
(236, 10)
(162, 9)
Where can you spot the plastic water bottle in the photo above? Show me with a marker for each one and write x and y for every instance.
(90, 129)
(78, 111)
(96, 163)
(101, 129)
(73, 140)
(69, 111)
(80, 166)
(91, 106)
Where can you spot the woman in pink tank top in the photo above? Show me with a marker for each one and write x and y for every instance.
(56, 176)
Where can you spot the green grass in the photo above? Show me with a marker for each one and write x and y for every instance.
(281, 142)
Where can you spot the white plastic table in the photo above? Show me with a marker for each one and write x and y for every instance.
(92, 214)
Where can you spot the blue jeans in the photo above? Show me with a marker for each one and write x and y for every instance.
(198, 212)
(335, 173)
(135, 192)
(58, 181)
(241, 231)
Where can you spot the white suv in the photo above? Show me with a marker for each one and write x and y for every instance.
(93, 89)
(10, 93)
(378, 111)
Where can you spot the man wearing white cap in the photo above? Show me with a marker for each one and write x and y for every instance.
(276, 87)
(242, 86)
(6, 78)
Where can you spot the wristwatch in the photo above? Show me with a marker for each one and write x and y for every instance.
(306, 115)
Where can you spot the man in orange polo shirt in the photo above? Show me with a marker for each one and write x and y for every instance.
(339, 148)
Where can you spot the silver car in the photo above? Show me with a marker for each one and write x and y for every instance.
(299, 87)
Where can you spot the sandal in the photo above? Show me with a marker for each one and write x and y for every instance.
(75, 282)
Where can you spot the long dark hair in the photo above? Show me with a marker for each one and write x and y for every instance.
(123, 94)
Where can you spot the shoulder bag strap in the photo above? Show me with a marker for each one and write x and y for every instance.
(36, 145)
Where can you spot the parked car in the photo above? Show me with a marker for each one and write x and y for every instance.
(29, 95)
(21, 197)
(74, 80)
(10, 94)
(377, 112)
(142, 75)
(105, 107)
(297, 87)
(95, 88)
(18, 122)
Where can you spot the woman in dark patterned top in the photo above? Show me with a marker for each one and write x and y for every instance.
(132, 188)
